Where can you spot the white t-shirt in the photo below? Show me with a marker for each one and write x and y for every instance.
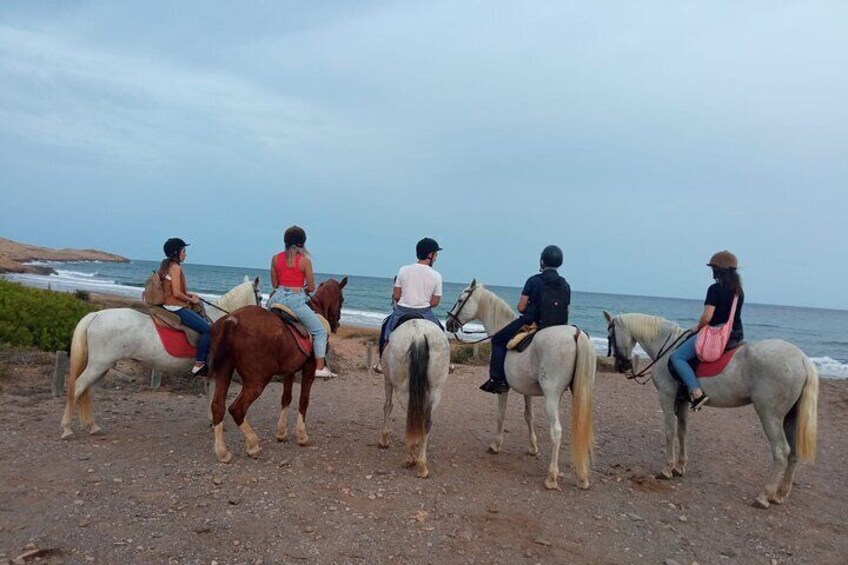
(417, 284)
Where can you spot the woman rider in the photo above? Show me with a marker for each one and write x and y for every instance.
(530, 304)
(291, 275)
(717, 307)
(177, 299)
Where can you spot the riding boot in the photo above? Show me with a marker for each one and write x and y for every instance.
(497, 376)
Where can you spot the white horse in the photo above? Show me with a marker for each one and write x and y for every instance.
(415, 365)
(103, 338)
(773, 375)
(558, 357)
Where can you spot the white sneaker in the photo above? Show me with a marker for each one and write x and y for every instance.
(325, 373)
(378, 368)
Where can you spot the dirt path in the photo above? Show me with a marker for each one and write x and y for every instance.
(149, 490)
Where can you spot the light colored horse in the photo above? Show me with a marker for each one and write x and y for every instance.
(103, 338)
(559, 357)
(415, 366)
(773, 375)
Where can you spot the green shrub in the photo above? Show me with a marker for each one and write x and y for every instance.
(83, 295)
(39, 318)
(464, 354)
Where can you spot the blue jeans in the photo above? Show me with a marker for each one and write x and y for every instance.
(680, 360)
(296, 301)
(196, 322)
(496, 362)
(398, 312)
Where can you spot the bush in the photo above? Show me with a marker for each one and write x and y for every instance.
(83, 295)
(32, 317)
(464, 354)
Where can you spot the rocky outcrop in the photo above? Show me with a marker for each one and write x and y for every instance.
(14, 255)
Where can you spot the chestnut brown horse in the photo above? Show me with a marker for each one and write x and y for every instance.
(255, 343)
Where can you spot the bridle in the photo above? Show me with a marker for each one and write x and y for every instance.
(455, 317)
(625, 364)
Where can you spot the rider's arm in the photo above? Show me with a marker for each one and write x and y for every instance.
(396, 293)
(522, 303)
(274, 282)
(434, 301)
(705, 317)
(306, 268)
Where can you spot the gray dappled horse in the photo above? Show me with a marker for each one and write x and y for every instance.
(103, 338)
(559, 357)
(415, 364)
(773, 375)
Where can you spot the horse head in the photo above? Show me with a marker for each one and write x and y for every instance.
(620, 344)
(465, 308)
(328, 299)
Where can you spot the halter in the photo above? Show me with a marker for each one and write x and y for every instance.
(612, 351)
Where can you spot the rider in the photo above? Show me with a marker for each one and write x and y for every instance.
(716, 312)
(177, 299)
(544, 300)
(417, 289)
(291, 274)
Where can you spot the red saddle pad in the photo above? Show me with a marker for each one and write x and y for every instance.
(713, 368)
(175, 341)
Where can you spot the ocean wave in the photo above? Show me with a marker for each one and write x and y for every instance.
(74, 274)
(829, 367)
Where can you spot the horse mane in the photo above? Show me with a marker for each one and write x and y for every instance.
(498, 312)
(644, 327)
(233, 295)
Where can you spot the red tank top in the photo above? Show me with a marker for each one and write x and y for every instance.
(291, 277)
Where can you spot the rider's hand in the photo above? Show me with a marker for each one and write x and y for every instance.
(194, 299)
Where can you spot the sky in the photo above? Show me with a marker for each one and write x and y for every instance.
(640, 137)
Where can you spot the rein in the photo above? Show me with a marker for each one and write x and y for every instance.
(455, 317)
(212, 305)
(645, 372)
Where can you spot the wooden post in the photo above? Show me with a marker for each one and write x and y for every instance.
(476, 350)
(155, 379)
(369, 353)
(59, 370)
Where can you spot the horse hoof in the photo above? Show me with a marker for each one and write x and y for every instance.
(95, 430)
(282, 438)
(583, 485)
(494, 449)
(760, 502)
(382, 445)
(67, 434)
(254, 453)
(551, 484)
(776, 499)
(678, 472)
(664, 475)
(423, 474)
(303, 442)
(227, 457)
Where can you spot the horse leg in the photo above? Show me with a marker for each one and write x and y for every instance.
(679, 469)
(789, 429)
(552, 410)
(495, 446)
(250, 390)
(305, 387)
(423, 471)
(221, 376)
(670, 420)
(82, 398)
(528, 417)
(387, 411)
(773, 428)
(285, 402)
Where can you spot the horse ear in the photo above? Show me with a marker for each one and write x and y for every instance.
(608, 316)
(343, 282)
(246, 278)
(473, 282)
(255, 282)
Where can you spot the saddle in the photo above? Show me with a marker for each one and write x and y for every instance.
(298, 330)
(705, 369)
(523, 338)
(164, 318)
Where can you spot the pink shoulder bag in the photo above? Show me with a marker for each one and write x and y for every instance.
(712, 340)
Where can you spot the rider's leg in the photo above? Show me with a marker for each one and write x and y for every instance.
(319, 335)
(680, 360)
(197, 323)
(497, 374)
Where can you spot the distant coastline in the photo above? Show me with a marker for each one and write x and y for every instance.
(14, 257)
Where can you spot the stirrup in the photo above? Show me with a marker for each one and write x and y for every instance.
(698, 404)
(201, 371)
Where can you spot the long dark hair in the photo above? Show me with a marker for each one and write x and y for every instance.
(166, 263)
(729, 278)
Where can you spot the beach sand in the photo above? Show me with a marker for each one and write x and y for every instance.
(149, 489)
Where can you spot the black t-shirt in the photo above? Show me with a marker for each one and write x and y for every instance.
(721, 297)
(533, 289)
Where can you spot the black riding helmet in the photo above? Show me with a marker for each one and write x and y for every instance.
(551, 257)
(295, 235)
(173, 247)
(426, 246)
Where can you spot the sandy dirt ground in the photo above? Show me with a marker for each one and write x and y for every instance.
(149, 489)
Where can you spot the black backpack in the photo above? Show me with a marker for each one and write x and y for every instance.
(553, 305)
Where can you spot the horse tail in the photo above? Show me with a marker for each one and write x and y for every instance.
(582, 400)
(806, 429)
(419, 408)
(78, 363)
(220, 338)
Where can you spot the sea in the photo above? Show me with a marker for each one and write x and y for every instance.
(821, 333)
